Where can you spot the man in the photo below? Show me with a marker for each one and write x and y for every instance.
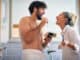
(30, 32)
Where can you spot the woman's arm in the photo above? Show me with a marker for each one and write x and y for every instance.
(75, 43)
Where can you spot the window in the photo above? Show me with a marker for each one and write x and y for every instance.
(4, 22)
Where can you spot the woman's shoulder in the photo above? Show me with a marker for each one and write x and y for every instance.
(70, 29)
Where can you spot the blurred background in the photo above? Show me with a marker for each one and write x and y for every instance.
(11, 11)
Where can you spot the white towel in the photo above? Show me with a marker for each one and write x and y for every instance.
(32, 54)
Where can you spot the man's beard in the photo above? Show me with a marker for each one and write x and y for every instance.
(39, 17)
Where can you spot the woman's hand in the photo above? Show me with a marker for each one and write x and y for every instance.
(62, 44)
(71, 46)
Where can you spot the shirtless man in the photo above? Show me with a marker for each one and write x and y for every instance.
(30, 32)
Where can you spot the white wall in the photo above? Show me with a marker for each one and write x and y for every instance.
(20, 9)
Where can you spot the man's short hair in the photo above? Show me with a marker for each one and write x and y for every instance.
(36, 4)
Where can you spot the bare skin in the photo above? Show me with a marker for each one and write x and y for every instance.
(31, 33)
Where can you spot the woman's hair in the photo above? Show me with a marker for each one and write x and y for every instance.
(70, 18)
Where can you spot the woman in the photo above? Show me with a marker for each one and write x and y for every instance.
(70, 43)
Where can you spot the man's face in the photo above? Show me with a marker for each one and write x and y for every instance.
(40, 12)
(60, 19)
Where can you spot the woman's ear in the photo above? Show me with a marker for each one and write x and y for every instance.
(66, 21)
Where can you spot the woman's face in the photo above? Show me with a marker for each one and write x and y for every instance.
(61, 20)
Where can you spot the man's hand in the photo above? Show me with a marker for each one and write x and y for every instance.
(47, 39)
(43, 22)
(49, 36)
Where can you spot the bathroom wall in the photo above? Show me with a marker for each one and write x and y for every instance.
(20, 9)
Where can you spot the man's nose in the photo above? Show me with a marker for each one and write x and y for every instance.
(57, 17)
(43, 12)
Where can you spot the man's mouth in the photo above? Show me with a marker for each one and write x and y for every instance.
(39, 17)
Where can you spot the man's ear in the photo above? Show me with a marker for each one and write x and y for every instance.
(35, 9)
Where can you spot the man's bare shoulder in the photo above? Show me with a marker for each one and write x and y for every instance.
(25, 19)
